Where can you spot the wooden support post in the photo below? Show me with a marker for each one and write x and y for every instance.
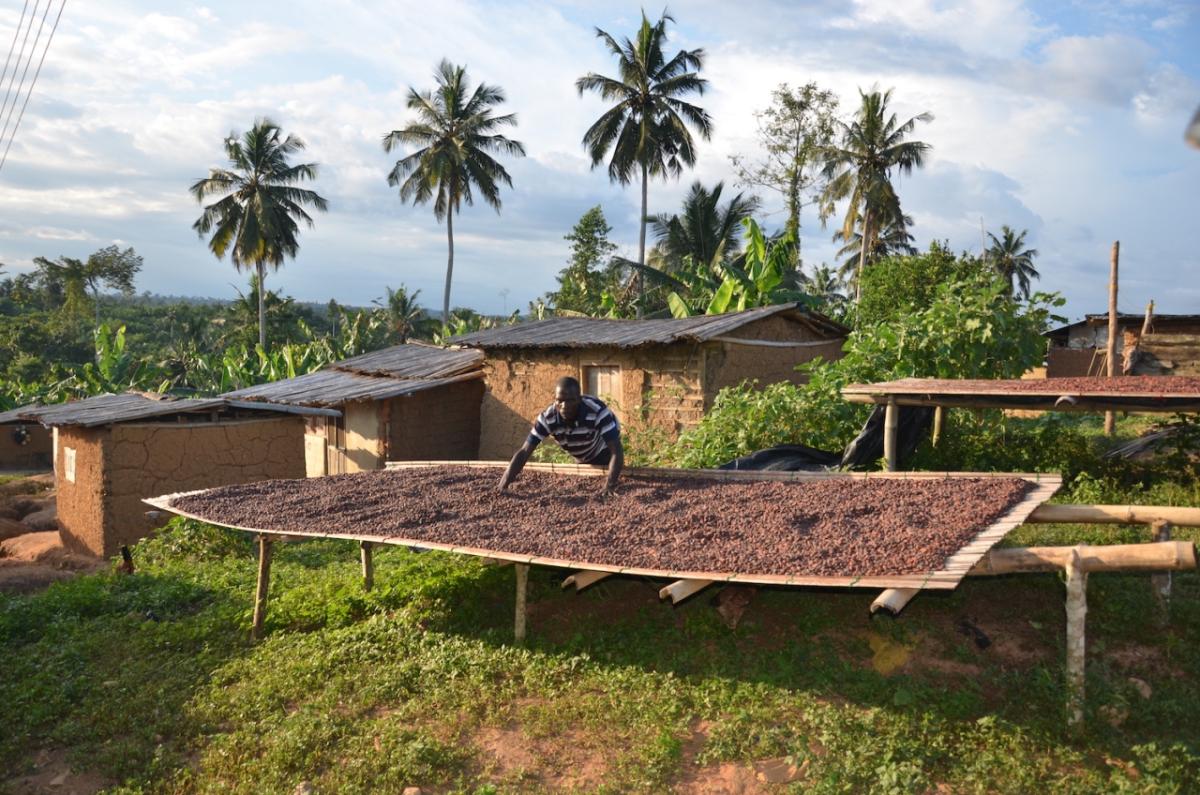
(264, 581)
(522, 570)
(939, 423)
(1111, 350)
(1160, 582)
(1148, 323)
(582, 579)
(1076, 604)
(682, 589)
(891, 422)
(368, 564)
(893, 600)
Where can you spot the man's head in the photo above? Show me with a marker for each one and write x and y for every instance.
(566, 398)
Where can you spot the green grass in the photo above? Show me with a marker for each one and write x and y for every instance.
(150, 679)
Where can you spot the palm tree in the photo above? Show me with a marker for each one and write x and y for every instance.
(256, 218)
(704, 230)
(455, 133)
(860, 169)
(404, 316)
(893, 240)
(825, 285)
(646, 129)
(1012, 263)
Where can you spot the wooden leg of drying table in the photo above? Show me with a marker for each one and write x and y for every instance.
(522, 587)
(1076, 638)
(939, 421)
(264, 581)
(1161, 583)
(891, 420)
(368, 564)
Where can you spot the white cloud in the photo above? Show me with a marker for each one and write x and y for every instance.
(1068, 133)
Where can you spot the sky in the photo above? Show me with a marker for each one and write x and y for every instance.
(1065, 119)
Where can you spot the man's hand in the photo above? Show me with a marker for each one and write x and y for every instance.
(515, 466)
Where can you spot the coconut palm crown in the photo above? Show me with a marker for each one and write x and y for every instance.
(705, 230)
(452, 142)
(860, 169)
(257, 219)
(1012, 261)
(645, 132)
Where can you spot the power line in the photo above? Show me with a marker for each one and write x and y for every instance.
(21, 85)
(33, 83)
(16, 33)
(21, 55)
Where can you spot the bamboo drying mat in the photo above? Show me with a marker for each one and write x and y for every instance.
(948, 577)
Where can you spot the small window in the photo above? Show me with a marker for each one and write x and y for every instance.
(603, 381)
(69, 464)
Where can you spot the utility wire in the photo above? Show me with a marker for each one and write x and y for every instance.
(12, 77)
(32, 50)
(36, 72)
(16, 33)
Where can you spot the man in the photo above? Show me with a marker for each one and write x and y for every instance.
(582, 425)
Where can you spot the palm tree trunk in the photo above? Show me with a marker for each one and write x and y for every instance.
(449, 267)
(262, 306)
(793, 222)
(862, 255)
(642, 240)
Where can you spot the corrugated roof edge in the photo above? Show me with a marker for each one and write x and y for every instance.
(693, 329)
(32, 414)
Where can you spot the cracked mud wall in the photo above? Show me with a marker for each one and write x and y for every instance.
(729, 364)
(80, 499)
(660, 387)
(117, 467)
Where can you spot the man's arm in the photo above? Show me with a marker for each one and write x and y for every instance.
(616, 462)
(516, 465)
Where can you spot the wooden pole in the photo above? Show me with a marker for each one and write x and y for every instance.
(368, 564)
(1161, 581)
(890, 425)
(522, 570)
(1076, 606)
(939, 420)
(1109, 416)
(1162, 556)
(1114, 514)
(1148, 323)
(264, 580)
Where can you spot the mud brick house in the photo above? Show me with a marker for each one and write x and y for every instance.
(407, 402)
(113, 451)
(662, 372)
(1160, 345)
(25, 446)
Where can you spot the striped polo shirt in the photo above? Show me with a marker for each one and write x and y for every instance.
(587, 439)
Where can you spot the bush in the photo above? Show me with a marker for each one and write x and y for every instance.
(970, 329)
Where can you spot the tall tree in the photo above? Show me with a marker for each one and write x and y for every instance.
(1011, 260)
(860, 169)
(454, 135)
(793, 133)
(825, 286)
(405, 317)
(67, 281)
(590, 272)
(705, 230)
(256, 218)
(892, 240)
(646, 129)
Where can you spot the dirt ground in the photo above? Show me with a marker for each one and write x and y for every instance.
(50, 772)
(32, 555)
